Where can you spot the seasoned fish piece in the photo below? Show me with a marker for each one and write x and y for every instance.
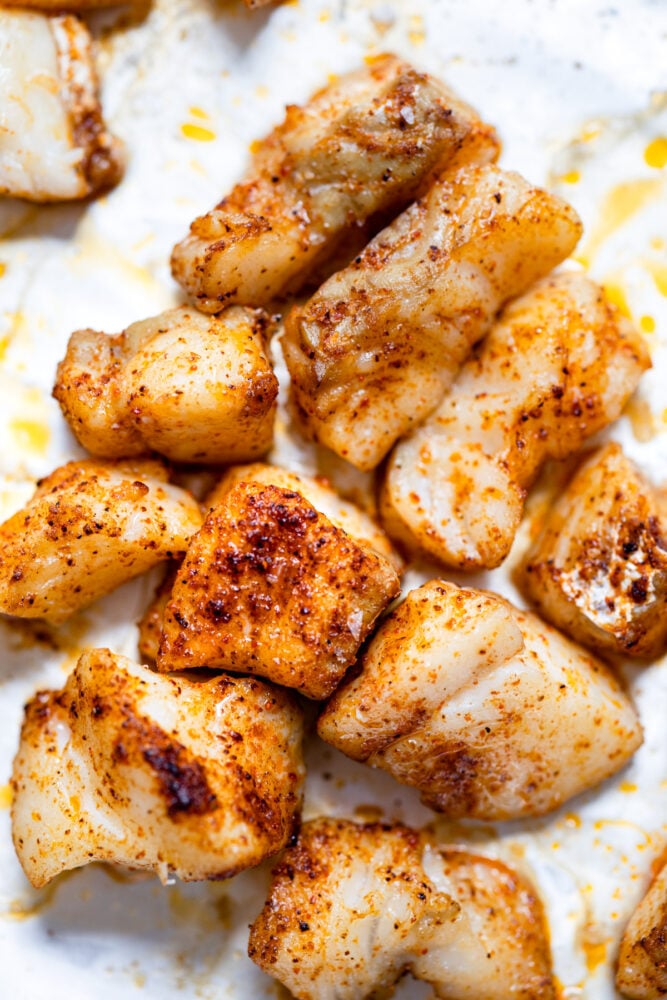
(489, 712)
(343, 514)
(201, 778)
(374, 350)
(642, 960)
(352, 908)
(195, 388)
(89, 527)
(558, 367)
(599, 569)
(270, 586)
(364, 146)
(54, 143)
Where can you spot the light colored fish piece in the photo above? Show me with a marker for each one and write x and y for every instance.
(200, 778)
(376, 348)
(194, 388)
(90, 527)
(54, 143)
(352, 908)
(557, 367)
(488, 711)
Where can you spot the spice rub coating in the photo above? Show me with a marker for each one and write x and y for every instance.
(599, 568)
(270, 586)
(90, 527)
(557, 367)
(194, 388)
(353, 908)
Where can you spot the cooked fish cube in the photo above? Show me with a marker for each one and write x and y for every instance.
(362, 147)
(195, 388)
(352, 908)
(489, 712)
(90, 527)
(342, 513)
(375, 349)
(599, 568)
(270, 586)
(558, 366)
(199, 778)
(642, 960)
(54, 143)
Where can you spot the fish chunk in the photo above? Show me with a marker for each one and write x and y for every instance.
(642, 960)
(599, 569)
(342, 513)
(558, 366)
(90, 527)
(489, 712)
(54, 143)
(375, 349)
(194, 388)
(270, 586)
(199, 778)
(361, 148)
(352, 908)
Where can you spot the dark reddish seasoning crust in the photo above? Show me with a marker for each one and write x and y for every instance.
(604, 535)
(266, 562)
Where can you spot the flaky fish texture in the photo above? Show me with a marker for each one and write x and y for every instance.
(54, 143)
(374, 350)
(642, 960)
(558, 367)
(90, 527)
(317, 491)
(599, 568)
(489, 712)
(195, 388)
(200, 778)
(353, 908)
(270, 586)
(361, 148)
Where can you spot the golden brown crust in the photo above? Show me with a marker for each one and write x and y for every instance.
(270, 586)
(202, 778)
(366, 145)
(195, 388)
(89, 527)
(599, 568)
(642, 961)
